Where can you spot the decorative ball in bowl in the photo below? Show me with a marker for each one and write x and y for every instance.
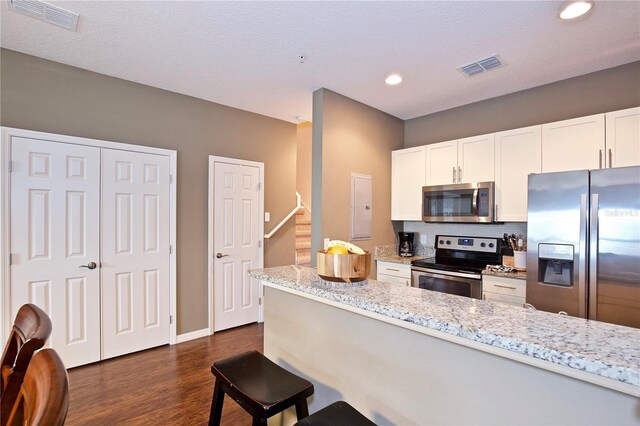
(343, 263)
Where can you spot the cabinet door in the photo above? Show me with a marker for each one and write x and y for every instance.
(407, 180)
(623, 138)
(476, 159)
(576, 144)
(517, 155)
(442, 163)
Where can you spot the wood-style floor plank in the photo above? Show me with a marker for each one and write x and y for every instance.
(169, 385)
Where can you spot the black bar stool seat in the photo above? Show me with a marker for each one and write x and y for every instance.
(258, 385)
(337, 414)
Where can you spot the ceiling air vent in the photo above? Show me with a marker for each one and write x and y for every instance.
(46, 12)
(481, 65)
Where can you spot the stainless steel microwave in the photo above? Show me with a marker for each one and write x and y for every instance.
(463, 202)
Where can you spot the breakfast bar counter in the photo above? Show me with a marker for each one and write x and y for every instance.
(404, 355)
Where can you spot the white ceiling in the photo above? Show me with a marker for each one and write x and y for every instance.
(245, 54)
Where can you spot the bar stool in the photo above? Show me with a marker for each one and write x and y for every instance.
(337, 414)
(259, 386)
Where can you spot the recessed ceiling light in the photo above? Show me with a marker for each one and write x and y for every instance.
(393, 79)
(574, 9)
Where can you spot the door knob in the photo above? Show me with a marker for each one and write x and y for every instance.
(90, 265)
(220, 255)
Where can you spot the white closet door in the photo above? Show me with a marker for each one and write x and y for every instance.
(55, 200)
(236, 244)
(135, 251)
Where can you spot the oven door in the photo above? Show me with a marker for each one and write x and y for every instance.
(460, 284)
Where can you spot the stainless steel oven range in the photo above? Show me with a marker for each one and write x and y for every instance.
(457, 266)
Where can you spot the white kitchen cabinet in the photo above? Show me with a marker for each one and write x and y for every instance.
(476, 159)
(623, 138)
(391, 272)
(517, 154)
(504, 290)
(461, 161)
(575, 144)
(442, 163)
(407, 180)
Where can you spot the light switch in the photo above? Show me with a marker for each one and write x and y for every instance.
(267, 217)
(423, 239)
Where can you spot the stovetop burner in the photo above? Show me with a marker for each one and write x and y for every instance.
(463, 254)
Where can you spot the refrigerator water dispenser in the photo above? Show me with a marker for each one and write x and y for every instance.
(555, 264)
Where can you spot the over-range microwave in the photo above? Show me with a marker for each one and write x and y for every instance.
(462, 203)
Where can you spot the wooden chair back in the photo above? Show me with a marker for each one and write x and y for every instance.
(43, 399)
(30, 331)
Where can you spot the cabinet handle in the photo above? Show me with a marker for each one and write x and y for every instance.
(454, 174)
(504, 286)
(459, 174)
(394, 270)
(599, 158)
(610, 163)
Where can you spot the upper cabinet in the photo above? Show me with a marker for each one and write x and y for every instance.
(509, 157)
(574, 144)
(476, 159)
(407, 180)
(461, 161)
(442, 163)
(623, 138)
(517, 155)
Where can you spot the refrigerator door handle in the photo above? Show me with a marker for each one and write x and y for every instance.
(593, 257)
(582, 258)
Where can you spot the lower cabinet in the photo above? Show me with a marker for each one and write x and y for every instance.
(504, 290)
(391, 272)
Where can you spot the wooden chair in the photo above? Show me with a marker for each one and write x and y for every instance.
(258, 385)
(31, 329)
(43, 399)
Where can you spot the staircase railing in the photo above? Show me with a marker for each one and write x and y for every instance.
(299, 205)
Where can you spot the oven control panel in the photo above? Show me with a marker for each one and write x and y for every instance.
(482, 244)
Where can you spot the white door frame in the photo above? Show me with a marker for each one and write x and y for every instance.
(210, 215)
(5, 155)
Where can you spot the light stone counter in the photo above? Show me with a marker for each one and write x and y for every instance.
(519, 275)
(604, 354)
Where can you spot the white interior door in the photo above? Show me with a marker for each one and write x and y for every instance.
(55, 216)
(237, 243)
(135, 251)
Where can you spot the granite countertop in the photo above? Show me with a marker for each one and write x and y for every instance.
(605, 350)
(389, 253)
(520, 275)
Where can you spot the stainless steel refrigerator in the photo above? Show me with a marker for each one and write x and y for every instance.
(583, 246)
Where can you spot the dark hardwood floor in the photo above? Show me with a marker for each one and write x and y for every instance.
(169, 385)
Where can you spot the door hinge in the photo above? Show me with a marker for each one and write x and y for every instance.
(10, 258)
(170, 249)
(259, 186)
(170, 178)
(259, 301)
(10, 166)
(170, 319)
(259, 243)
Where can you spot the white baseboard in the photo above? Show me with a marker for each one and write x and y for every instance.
(181, 338)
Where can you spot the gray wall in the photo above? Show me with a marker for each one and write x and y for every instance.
(349, 136)
(41, 95)
(608, 90)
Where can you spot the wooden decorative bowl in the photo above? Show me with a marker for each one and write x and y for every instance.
(346, 268)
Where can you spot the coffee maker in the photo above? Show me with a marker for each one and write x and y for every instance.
(405, 244)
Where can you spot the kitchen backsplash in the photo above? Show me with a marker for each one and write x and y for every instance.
(430, 230)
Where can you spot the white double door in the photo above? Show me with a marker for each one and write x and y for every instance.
(90, 246)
